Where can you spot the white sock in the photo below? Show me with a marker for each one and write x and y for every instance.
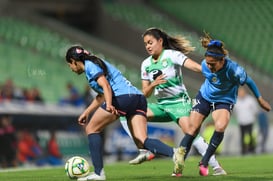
(201, 146)
(124, 124)
(142, 150)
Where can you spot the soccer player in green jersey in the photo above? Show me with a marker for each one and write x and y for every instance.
(161, 74)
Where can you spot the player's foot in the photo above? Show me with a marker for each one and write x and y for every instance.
(176, 174)
(93, 176)
(178, 159)
(203, 170)
(144, 155)
(219, 171)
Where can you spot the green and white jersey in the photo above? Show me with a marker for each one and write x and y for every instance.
(169, 63)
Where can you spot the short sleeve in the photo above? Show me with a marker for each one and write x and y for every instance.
(144, 73)
(240, 75)
(178, 57)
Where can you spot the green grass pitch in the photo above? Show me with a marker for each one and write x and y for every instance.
(247, 168)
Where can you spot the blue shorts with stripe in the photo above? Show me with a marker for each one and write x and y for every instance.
(129, 105)
(204, 107)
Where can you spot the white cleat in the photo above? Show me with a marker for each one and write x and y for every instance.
(93, 176)
(219, 171)
(144, 155)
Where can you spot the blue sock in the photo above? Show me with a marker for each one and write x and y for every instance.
(186, 142)
(96, 151)
(158, 147)
(215, 141)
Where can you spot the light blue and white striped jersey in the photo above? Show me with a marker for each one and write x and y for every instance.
(119, 84)
(222, 86)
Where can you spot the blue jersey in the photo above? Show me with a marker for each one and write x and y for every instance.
(119, 84)
(222, 86)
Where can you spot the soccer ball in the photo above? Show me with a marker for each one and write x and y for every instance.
(76, 167)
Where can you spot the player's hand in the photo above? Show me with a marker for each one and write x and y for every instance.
(264, 104)
(160, 80)
(112, 109)
(82, 119)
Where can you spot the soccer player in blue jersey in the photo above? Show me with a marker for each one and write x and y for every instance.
(217, 96)
(116, 97)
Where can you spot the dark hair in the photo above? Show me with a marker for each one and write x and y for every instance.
(77, 53)
(178, 43)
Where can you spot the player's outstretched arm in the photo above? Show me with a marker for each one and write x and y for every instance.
(253, 87)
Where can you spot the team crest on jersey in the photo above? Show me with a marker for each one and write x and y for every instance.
(164, 63)
(214, 79)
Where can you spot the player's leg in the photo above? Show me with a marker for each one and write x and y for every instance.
(168, 113)
(154, 114)
(124, 122)
(98, 122)
(221, 118)
(139, 133)
(242, 139)
(252, 142)
(143, 154)
(201, 146)
(196, 120)
(139, 126)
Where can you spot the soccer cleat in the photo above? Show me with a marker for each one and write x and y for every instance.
(219, 171)
(178, 159)
(203, 170)
(176, 174)
(144, 155)
(93, 176)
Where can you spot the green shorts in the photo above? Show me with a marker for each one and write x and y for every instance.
(170, 112)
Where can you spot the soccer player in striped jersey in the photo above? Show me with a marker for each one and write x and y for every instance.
(161, 73)
(217, 95)
(116, 97)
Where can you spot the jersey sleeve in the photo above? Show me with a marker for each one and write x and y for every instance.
(253, 87)
(93, 71)
(144, 73)
(178, 57)
(238, 73)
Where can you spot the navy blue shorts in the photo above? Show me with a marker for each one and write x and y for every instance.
(129, 105)
(204, 107)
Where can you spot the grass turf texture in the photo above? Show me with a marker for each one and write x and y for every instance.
(247, 168)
